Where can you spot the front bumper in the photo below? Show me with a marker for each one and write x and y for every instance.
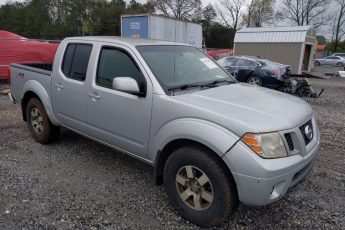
(262, 181)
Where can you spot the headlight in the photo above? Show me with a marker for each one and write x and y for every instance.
(266, 145)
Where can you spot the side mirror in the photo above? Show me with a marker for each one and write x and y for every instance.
(127, 85)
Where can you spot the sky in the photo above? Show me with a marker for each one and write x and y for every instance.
(325, 30)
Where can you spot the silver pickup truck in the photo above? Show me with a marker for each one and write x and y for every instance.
(212, 141)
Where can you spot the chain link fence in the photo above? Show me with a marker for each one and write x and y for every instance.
(16, 49)
(4, 79)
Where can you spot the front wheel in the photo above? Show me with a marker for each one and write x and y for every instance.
(41, 129)
(317, 63)
(199, 187)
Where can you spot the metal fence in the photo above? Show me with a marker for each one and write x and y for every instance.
(4, 82)
(23, 50)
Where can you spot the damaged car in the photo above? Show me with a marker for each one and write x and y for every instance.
(263, 72)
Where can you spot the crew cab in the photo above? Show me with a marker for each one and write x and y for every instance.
(212, 141)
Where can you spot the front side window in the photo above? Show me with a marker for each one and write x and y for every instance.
(175, 66)
(115, 63)
(76, 61)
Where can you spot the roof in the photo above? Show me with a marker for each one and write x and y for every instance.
(126, 41)
(295, 34)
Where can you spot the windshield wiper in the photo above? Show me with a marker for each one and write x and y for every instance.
(217, 82)
(186, 86)
(209, 85)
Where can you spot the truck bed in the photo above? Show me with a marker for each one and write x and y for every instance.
(25, 75)
(42, 66)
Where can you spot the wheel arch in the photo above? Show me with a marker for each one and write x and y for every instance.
(164, 154)
(252, 73)
(26, 98)
(35, 89)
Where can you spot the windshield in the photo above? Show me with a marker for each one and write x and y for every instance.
(175, 66)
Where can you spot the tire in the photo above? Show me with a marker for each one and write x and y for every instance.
(221, 194)
(317, 63)
(41, 129)
(340, 64)
(254, 80)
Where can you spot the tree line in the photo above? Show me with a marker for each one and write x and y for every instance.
(56, 19)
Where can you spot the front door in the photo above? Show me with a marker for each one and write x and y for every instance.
(68, 89)
(119, 118)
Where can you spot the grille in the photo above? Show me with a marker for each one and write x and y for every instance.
(302, 129)
(289, 141)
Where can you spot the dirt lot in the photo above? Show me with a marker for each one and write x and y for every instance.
(77, 183)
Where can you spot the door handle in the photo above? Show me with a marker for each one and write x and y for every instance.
(94, 96)
(59, 86)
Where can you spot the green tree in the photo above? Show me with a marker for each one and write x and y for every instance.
(185, 9)
(261, 12)
(209, 13)
(321, 40)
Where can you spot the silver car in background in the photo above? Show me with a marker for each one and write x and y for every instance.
(339, 54)
(331, 60)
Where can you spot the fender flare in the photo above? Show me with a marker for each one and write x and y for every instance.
(215, 137)
(40, 91)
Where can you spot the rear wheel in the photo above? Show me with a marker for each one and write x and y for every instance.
(41, 129)
(254, 80)
(317, 63)
(199, 187)
(340, 64)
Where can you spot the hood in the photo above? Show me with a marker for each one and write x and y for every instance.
(244, 108)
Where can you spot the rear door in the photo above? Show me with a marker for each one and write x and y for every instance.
(119, 118)
(68, 88)
(329, 60)
(244, 69)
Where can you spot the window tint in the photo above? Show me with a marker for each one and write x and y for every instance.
(67, 62)
(247, 63)
(117, 63)
(76, 61)
(231, 61)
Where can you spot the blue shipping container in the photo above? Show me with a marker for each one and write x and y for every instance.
(135, 27)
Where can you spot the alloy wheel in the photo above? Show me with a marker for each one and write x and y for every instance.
(194, 188)
(37, 121)
(254, 81)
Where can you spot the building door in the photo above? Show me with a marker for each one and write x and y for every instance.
(306, 59)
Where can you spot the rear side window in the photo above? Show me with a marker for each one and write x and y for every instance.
(76, 61)
(247, 63)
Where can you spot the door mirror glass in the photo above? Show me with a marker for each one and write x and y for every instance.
(126, 84)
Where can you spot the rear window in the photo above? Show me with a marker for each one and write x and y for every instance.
(76, 61)
(247, 63)
(231, 61)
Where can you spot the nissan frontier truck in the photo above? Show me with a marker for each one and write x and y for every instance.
(213, 142)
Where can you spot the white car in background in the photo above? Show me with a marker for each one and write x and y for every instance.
(339, 54)
(331, 60)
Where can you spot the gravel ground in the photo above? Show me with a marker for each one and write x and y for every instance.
(77, 183)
